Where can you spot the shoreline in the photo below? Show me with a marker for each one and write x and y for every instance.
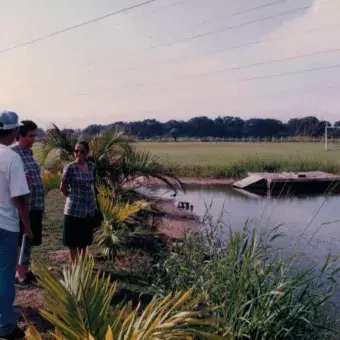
(174, 222)
(192, 181)
(186, 181)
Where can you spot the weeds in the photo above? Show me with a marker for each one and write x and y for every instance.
(262, 297)
(239, 168)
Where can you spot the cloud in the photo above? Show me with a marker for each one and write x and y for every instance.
(315, 30)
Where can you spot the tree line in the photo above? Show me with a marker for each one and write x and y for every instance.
(220, 127)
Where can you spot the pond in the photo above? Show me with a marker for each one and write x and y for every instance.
(310, 224)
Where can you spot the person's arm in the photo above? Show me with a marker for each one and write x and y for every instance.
(65, 180)
(19, 192)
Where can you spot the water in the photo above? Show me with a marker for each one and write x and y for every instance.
(311, 225)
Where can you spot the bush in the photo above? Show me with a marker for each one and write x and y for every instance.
(262, 297)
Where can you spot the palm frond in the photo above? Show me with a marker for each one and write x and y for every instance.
(119, 216)
(108, 143)
(79, 308)
(60, 141)
(51, 180)
(117, 211)
(143, 164)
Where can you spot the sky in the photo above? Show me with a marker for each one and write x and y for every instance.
(169, 59)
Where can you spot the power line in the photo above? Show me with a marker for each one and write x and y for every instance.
(202, 35)
(262, 63)
(221, 49)
(198, 36)
(269, 76)
(277, 75)
(251, 9)
(70, 28)
(235, 68)
(227, 49)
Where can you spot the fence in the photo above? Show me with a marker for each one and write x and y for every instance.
(297, 139)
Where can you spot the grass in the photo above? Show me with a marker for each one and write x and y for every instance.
(234, 160)
(259, 296)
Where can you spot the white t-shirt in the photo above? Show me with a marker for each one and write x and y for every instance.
(13, 183)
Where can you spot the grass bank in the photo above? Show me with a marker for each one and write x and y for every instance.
(234, 160)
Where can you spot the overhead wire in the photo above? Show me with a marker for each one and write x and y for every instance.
(227, 49)
(211, 32)
(221, 50)
(249, 79)
(235, 68)
(70, 28)
(216, 31)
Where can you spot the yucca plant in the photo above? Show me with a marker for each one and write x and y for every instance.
(50, 179)
(78, 306)
(120, 220)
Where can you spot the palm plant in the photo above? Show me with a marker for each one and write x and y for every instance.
(118, 163)
(50, 179)
(120, 221)
(79, 308)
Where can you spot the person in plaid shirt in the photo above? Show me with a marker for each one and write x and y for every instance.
(77, 185)
(23, 148)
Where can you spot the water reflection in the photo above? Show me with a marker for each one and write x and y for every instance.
(310, 222)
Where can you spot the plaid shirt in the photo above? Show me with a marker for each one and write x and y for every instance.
(80, 201)
(36, 199)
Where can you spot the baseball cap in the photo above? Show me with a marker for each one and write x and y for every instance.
(9, 120)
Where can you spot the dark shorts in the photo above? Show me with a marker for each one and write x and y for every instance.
(36, 217)
(78, 232)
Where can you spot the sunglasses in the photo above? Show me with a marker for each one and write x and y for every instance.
(79, 151)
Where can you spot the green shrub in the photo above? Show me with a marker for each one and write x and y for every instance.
(262, 297)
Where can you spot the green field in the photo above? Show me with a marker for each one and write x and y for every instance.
(197, 159)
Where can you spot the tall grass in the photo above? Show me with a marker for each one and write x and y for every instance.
(261, 296)
(239, 168)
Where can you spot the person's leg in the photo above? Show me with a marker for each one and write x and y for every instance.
(8, 262)
(25, 255)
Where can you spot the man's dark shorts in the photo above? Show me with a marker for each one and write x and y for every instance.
(36, 217)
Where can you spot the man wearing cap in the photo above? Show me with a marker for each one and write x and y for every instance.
(13, 200)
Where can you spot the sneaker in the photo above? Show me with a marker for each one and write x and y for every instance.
(17, 333)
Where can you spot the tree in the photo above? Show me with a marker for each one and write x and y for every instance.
(307, 126)
(257, 127)
(231, 127)
(201, 127)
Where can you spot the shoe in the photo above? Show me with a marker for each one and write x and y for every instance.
(17, 333)
(31, 277)
(22, 282)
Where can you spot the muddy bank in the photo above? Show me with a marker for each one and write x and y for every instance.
(187, 181)
(174, 222)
